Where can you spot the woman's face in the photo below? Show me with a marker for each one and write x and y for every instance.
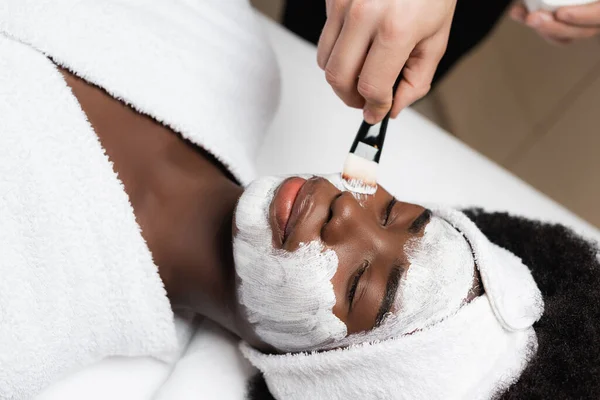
(368, 234)
(318, 262)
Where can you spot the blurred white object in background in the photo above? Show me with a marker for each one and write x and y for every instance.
(553, 5)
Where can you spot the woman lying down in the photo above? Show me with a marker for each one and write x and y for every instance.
(110, 219)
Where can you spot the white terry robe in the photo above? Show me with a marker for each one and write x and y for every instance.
(78, 281)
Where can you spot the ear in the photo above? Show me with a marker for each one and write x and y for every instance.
(257, 388)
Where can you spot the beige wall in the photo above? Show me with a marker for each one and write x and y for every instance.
(533, 108)
(272, 8)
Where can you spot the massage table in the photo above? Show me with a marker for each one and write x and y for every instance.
(312, 132)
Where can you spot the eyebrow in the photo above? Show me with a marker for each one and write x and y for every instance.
(391, 289)
(419, 222)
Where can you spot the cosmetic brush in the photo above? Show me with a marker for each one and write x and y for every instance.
(360, 168)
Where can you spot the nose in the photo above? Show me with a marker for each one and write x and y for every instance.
(347, 220)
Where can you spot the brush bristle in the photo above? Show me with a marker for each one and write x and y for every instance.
(359, 187)
(360, 175)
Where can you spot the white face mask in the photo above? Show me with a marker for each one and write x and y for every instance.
(439, 278)
(288, 296)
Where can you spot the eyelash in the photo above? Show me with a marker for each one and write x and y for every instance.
(354, 285)
(388, 211)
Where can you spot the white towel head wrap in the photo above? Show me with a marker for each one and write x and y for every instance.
(478, 351)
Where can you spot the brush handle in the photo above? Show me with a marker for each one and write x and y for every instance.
(369, 135)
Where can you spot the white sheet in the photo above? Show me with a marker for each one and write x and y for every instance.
(133, 378)
(312, 133)
(114, 378)
(211, 369)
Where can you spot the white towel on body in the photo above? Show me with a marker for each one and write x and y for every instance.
(78, 281)
(203, 68)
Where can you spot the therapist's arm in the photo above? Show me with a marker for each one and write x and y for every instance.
(563, 26)
(366, 43)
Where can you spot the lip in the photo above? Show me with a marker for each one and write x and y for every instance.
(283, 203)
(301, 205)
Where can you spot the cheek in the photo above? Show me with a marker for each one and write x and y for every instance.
(352, 249)
(340, 310)
(346, 268)
(365, 311)
(350, 258)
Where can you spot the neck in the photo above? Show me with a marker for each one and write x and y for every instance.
(196, 252)
(200, 254)
(183, 200)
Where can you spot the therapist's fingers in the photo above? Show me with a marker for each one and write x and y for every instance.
(419, 71)
(333, 26)
(383, 64)
(348, 55)
(545, 24)
(586, 15)
(518, 12)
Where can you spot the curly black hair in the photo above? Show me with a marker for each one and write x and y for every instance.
(566, 268)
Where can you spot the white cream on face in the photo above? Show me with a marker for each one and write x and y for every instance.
(287, 296)
(438, 280)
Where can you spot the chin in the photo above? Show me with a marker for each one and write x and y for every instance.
(274, 305)
(252, 210)
(252, 229)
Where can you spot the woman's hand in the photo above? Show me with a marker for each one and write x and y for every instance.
(365, 44)
(564, 25)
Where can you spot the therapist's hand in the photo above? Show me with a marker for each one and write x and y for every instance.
(564, 25)
(365, 44)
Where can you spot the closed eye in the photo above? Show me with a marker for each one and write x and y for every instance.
(354, 284)
(388, 211)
